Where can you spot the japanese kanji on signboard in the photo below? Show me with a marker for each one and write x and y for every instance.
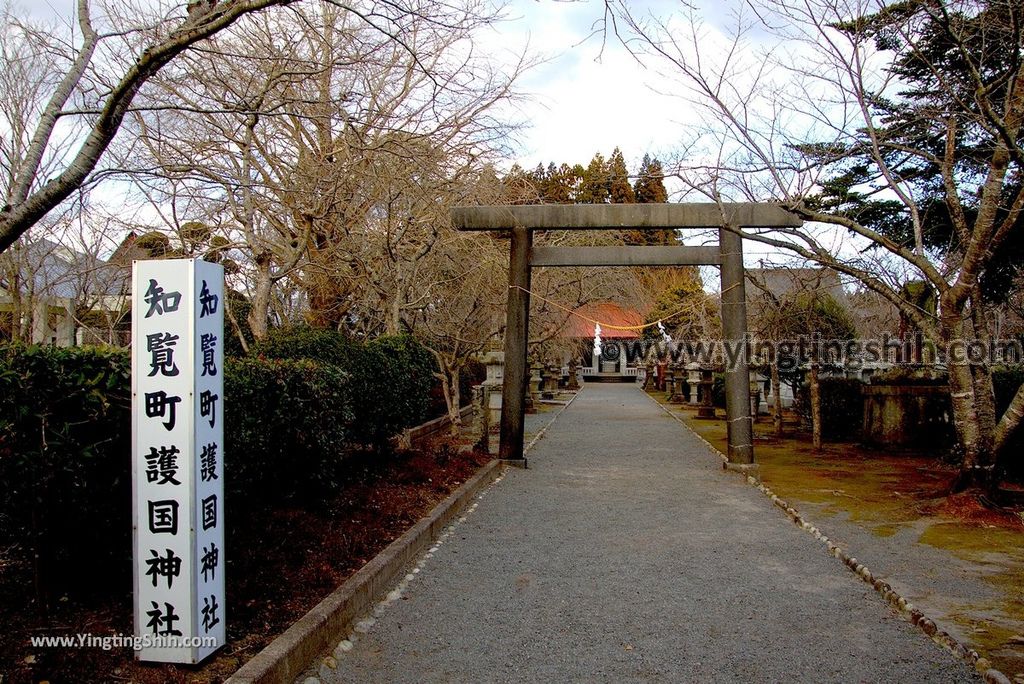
(177, 460)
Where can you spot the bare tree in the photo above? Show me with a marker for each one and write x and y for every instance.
(331, 147)
(462, 306)
(873, 122)
(792, 303)
(95, 91)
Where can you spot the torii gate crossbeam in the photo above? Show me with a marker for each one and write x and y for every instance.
(521, 220)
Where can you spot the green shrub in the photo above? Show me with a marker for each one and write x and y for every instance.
(65, 439)
(842, 407)
(325, 346)
(408, 369)
(65, 461)
(389, 379)
(286, 426)
(65, 451)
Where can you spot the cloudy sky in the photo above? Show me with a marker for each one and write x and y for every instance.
(586, 95)
(589, 94)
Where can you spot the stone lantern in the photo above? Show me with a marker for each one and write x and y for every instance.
(707, 405)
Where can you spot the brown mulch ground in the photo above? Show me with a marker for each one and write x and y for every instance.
(280, 564)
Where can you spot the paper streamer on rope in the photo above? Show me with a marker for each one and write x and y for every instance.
(664, 335)
(597, 339)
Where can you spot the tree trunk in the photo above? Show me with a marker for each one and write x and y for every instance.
(777, 394)
(260, 311)
(1008, 424)
(235, 326)
(981, 373)
(815, 407)
(454, 400)
(976, 466)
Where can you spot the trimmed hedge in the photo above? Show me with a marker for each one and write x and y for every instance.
(65, 442)
(401, 371)
(286, 424)
(390, 378)
(325, 346)
(842, 407)
(65, 461)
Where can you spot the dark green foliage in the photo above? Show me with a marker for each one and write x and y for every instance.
(65, 440)
(619, 189)
(718, 391)
(390, 378)
(315, 344)
(1006, 381)
(400, 375)
(65, 461)
(842, 407)
(649, 187)
(595, 187)
(952, 50)
(286, 426)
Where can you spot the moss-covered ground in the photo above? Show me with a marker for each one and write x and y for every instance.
(903, 492)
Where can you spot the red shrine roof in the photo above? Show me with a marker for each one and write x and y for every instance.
(605, 312)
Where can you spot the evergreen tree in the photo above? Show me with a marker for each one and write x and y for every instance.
(573, 178)
(650, 189)
(939, 99)
(559, 185)
(650, 186)
(619, 189)
(595, 188)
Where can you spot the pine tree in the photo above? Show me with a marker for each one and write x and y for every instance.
(648, 189)
(650, 186)
(558, 188)
(619, 189)
(595, 187)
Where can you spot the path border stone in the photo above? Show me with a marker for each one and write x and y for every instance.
(287, 656)
(897, 602)
(331, 620)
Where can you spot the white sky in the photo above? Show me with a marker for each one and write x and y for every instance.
(590, 94)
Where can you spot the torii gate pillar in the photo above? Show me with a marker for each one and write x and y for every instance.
(517, 335)
(520, 220)
(739, 423)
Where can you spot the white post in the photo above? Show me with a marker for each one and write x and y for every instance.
(177, 458)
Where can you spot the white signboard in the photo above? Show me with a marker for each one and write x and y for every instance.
(177, 458)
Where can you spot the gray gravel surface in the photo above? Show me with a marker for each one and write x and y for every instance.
(623, 554)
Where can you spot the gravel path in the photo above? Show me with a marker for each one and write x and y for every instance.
(625, 553)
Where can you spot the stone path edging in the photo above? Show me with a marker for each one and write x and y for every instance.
(537, 437)
(906, 609)
(287, 656)
(334, 619)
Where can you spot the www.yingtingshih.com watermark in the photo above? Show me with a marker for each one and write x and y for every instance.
(794, 353)
(109, 642)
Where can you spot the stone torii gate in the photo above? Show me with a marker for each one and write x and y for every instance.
(521, 220)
